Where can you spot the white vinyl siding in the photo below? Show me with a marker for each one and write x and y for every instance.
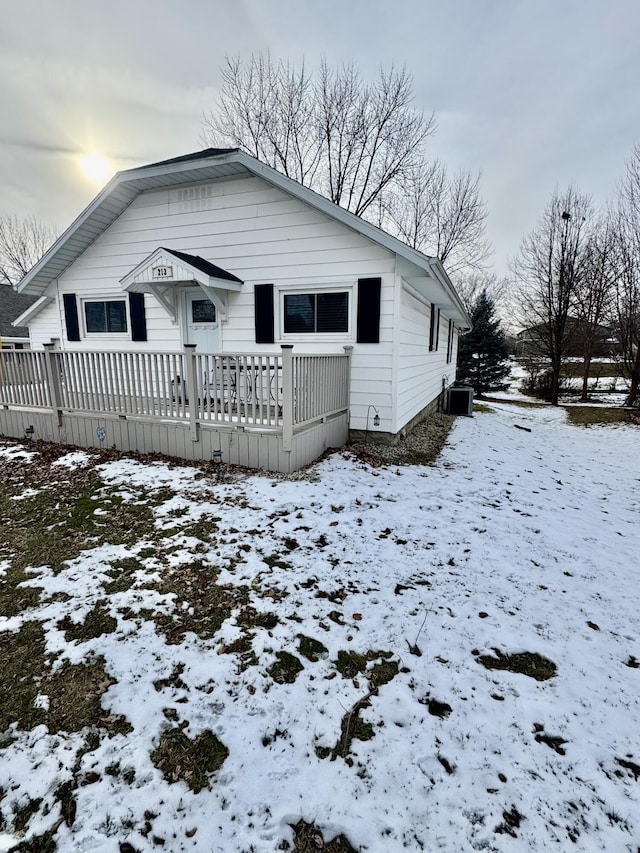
(420, 372)
(262, 235)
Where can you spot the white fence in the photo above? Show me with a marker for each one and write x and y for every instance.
(281, 392)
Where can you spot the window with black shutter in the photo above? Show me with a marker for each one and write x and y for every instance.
(309, 313)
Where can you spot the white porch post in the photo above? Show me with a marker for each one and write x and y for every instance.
(287, 396)
(348, 351)
(192, 387)
(52, 380)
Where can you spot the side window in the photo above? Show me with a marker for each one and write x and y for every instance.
(450, 341)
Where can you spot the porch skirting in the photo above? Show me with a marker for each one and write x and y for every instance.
(240, 445)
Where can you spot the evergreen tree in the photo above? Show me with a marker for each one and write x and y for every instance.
(483, 352)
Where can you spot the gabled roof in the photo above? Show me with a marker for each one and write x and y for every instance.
(208, 165)
(12, 305)
(204, 266)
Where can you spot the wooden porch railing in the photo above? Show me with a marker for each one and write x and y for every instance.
(277, 391)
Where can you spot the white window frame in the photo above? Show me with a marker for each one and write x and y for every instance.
(306, 290)
(101, 336)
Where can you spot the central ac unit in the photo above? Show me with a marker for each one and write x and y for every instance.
(460, 400)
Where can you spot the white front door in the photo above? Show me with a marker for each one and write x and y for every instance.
(200, 321)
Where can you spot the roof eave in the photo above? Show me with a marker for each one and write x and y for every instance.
(132, 181)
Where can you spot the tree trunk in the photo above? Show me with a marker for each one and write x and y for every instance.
(586, 367)
(555, 384)
(634, 375)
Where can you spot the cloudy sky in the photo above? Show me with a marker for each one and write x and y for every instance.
(533, 93)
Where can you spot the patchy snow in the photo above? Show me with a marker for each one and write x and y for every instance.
(13, 451)
(523, 538)
(76, 459)
(151, 475)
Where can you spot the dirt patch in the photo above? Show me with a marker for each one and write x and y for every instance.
(201, 604)
(191, 761)
(511, 821)
(351, 728)
(286, 669)
(554, 742)
(525, 663)
(309, 839)
(436, 708)
(421, 446)
(349, 664)
(311, 649)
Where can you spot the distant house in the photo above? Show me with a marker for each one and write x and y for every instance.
(531, 341)
(12, 305)
(217, 251)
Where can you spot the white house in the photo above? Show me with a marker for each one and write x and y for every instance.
(219, 250)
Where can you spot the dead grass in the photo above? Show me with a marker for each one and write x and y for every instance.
(73, 692)
(201, 603)
(96, 623)
(599, 369)
(525, 663)
(592, 415)
(62, 516)
(286, 669)
(309, 839)
(181, 759)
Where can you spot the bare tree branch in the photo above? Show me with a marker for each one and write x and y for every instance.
(549, 269)
(361, 145)
(22, 244)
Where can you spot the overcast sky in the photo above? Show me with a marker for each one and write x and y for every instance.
(533, 93)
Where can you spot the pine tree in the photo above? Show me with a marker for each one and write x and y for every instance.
(483, 352)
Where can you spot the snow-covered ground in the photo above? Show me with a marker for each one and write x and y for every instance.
(522, 538)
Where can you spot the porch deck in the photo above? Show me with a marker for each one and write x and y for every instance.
(293, 400)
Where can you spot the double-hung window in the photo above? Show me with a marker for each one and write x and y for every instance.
(105, 316)
(316, 313)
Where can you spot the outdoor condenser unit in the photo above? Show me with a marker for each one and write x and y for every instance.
(460, 400)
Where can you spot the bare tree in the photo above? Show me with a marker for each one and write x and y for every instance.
(22, 243)
(268, 109)
(627, 297)
(627, 305)
(361, 145)
(442, 215)
(372, 135)
(549, 269)
(593, 294)
(470, 285)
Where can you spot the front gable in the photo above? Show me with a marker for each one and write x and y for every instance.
(164, 269)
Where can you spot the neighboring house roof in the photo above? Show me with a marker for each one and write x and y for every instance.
(12, 305)
(208, 165)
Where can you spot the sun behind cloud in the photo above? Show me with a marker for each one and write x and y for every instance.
(97, 168)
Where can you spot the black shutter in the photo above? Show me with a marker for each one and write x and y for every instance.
(71, 316)
(138, 317)
(434, 328)
(263, 308)
(368, 323)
